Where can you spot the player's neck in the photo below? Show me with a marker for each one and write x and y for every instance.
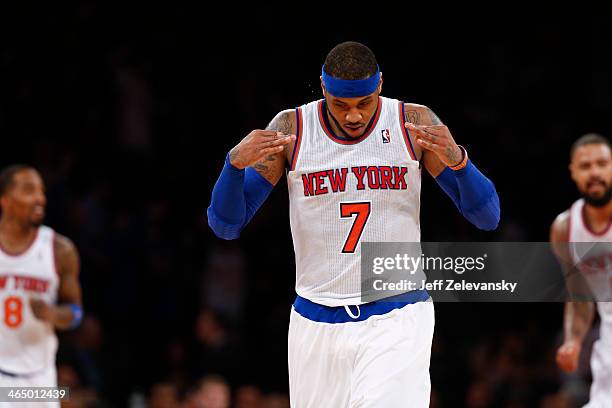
(598, 217)
(14, 233)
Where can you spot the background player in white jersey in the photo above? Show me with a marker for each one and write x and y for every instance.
(588, 266)
(38, 269)
(353, 162)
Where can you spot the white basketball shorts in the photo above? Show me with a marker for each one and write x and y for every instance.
(601, 367)
(380, 362)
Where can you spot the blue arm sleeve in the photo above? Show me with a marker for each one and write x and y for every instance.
(447, 182)
(473, 194)
(236, 197)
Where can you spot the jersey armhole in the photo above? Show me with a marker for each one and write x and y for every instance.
(402, 119)
(298, 138)
(569, 225)
(54, 253)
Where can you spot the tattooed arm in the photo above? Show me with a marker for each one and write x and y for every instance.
(272, 166)
(473, 194)
(251, 170)
(433, 143)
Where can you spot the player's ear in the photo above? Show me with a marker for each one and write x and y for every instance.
(380, 83)
(322, 86)
(571, 170)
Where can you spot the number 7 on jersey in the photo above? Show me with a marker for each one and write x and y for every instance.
(361, 211)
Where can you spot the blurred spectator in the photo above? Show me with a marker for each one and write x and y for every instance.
(135, 108)
(223, 283)
(80, 396)
(176, 358)
(214, 349)
(248, 396)
(212, 391)
(478, 395)
(163, 395)
(88, 343)
(558, 400)
(276, 400)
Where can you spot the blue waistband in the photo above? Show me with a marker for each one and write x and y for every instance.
(338, 314)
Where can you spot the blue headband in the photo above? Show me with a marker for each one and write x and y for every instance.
(346, 88)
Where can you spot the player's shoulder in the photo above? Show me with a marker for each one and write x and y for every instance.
(560, 227)
(415, 106)
(418, 114)
(63, 246)
(285, 121)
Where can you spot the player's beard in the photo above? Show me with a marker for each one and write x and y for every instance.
(37, 222)
(598, 201)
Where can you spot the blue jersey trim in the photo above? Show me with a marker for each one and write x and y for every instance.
(328, 314)
(346, 140)
(405, 132)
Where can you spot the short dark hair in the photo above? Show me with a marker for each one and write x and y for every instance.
(350, 60)
(7, 175)
(589, 138)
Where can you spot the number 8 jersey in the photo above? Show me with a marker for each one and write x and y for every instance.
(27, 345)
(343, 192)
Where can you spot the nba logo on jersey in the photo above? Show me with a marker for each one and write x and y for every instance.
(386, 136)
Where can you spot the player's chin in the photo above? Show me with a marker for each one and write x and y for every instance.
(354, 132)
(37, 220)
(598, 199)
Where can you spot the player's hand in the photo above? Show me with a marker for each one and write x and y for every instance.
(567, 356)
(42, 310)
(257, 145)
(437, 139)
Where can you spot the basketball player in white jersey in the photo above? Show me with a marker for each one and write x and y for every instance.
(588, 221)
(353, 164)
(39, 286)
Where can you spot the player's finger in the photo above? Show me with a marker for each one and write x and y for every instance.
(412, 126)
(279, 142)
(430, 129)
(268, 133)
(277, 135)
(427, 144)
(271, 150)
(436, 130)
(421, 131)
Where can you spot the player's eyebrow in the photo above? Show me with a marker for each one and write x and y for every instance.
(364, 100)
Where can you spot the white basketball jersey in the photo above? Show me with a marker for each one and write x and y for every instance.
(594, 263)
(343, 192)
(27, 345)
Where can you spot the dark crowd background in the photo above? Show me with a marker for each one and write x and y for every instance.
(128, 112)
